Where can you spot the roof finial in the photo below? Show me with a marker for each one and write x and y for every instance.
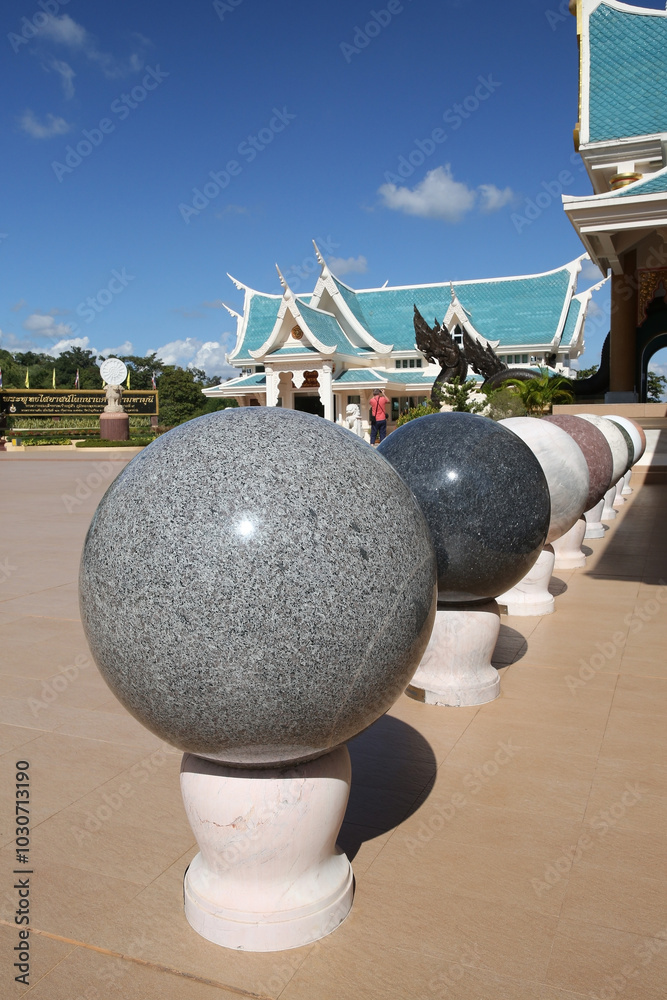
(288, 290)
(239, 284)
(320, 258)
(451, 291)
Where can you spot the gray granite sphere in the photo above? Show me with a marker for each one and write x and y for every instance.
(485, 498)
(258, 586)
(564, 466)
(633, 431)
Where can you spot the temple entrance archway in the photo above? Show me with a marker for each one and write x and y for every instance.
(308, 403)
(651, 338)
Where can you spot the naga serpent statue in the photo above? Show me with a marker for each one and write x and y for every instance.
(439, 347)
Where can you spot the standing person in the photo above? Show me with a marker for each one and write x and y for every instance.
(379, 404)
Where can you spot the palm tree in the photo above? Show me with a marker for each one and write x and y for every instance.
(539, 394)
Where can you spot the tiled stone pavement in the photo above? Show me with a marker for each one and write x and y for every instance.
(547, 878)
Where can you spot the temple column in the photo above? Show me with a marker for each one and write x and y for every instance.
(271, 387)
(622, 387)
(325, 378)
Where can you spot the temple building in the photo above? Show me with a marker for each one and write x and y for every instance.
(622, 138)
(324, 351)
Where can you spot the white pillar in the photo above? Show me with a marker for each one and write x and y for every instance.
(271, 387)
(594, 526)
(568, 547)
(325, 378)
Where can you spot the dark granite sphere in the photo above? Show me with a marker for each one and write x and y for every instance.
(484, 495)
(634, 432)
(258, 586)
(595, 449)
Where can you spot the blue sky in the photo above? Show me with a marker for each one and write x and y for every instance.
(406, 137)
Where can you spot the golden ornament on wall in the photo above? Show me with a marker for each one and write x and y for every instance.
(297, 332)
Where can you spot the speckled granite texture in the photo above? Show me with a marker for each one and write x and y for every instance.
(258, 586)
(564, 466)
(620, 454)
(595, 449)
(484, 496)
(634, 432)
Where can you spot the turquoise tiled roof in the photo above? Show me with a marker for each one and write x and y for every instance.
(257, 379)
(628, 74)
(261, 320)
(571, 322)
(414, 376)
(514, 311)
(359, 375)
(656, 185)
(292, 350)
(326, 329)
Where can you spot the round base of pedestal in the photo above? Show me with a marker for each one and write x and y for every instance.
(114, 427)
(456, 668)
(244, 930)
(268, 875)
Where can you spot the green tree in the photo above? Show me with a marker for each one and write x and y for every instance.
(587, 372)
(655, 387)
(505, 402)
(181, 397)
(144, 369)
(74, 360)
(539, 394)
(457, 395)
(422, 410)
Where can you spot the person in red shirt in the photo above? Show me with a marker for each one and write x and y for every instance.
(379, 404)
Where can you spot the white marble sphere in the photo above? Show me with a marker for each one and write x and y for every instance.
(619, 449)
(630, 427)
(564, 466)
(258, 586)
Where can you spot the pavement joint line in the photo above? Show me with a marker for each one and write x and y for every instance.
(141, 961)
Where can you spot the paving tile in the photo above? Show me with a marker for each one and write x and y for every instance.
(83, 971)
(600, 961)
(45, 955)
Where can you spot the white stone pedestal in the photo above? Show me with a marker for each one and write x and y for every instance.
(530, 596)
(619, 499)
(594, 525)
(568, 547)
(456, 667)
(608, 512)
(626, 483)
(268, 875)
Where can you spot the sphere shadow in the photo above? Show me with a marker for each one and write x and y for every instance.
(557, 586)
(393, 772)
(510, 647)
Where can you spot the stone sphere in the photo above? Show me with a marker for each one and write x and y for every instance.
(484, 495)
(595, 449)
(615, 440)
(564, 466)
(258, 586)
(632, 430)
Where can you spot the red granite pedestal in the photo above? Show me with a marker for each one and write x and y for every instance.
(114, 427)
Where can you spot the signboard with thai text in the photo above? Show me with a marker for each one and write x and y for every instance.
(74, 402)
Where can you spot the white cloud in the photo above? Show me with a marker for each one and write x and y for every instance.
(439, 196)
(348, 265)
(66, 74)
(194, 353)
(52, 125)
(121, 351)
(493, 198)
(66, 344)
(64, 30)
(45, 326)
(19, 305)
(590, 271)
